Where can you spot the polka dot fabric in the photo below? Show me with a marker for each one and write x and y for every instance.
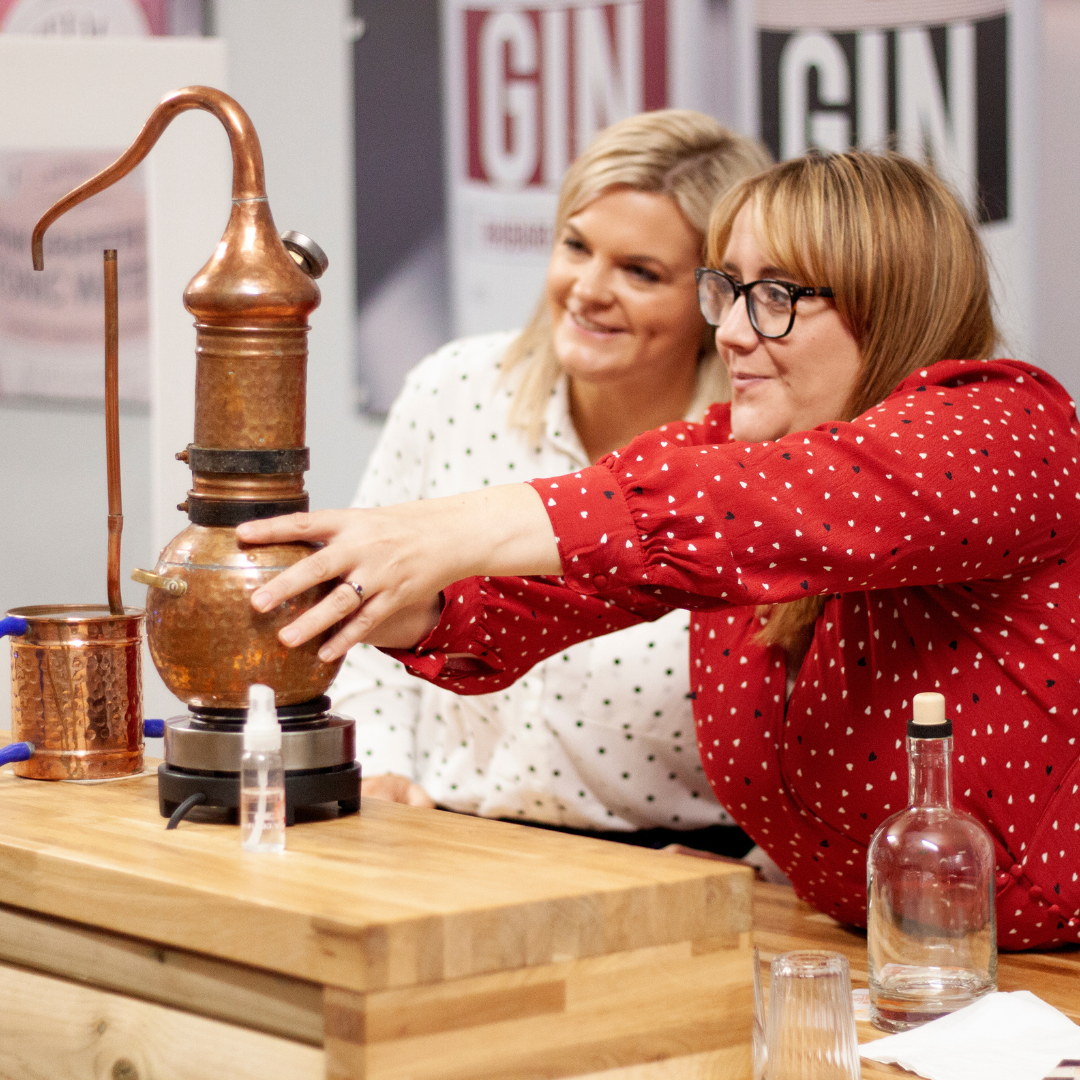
(942, 527)
(598, 736)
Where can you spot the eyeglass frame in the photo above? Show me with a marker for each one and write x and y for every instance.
(795, 292)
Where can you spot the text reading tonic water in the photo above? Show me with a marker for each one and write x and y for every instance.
(931, 931)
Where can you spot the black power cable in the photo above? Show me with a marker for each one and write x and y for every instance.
(183, 809)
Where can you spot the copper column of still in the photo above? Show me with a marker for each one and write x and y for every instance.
(251, 302)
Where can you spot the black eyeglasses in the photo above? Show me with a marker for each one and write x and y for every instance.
(770, 304)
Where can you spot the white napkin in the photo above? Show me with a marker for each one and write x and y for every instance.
(1000, 1037)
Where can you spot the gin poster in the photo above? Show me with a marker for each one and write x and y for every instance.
(949, 82)
(528, 83)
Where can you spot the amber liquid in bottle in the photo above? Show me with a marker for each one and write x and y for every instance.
(931, 928)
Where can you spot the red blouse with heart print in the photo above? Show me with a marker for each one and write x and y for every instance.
(943, 526)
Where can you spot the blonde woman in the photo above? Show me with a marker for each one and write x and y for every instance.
(600, 737)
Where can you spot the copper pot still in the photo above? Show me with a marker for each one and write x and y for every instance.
(251, 303)
(76, 684)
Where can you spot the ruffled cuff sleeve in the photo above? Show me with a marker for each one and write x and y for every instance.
(460, 644)
(595, 531)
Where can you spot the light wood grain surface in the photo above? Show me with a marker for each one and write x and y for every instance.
(57, 1030)
(220, 989)
(394, 897)
(403, 943)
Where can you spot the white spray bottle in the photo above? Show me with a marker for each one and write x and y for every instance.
(262, 775)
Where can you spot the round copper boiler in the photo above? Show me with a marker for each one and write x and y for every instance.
(209, 644)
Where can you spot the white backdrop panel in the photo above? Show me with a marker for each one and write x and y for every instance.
(58, 93)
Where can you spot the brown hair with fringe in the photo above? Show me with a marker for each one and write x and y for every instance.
(676, 152)
(908, 274)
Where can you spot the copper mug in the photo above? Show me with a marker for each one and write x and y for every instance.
(76, 690)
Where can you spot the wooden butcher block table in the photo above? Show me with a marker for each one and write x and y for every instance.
(402, 944)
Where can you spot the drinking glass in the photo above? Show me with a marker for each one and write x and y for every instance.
(811, 1023)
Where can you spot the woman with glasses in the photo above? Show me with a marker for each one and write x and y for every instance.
(600, 736)
(880, 510)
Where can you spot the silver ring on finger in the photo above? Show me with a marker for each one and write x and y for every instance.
(358, 589)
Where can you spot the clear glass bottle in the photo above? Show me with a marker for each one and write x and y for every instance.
(262, 776)
(931, 927)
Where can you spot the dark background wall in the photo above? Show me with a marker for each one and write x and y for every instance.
(399, 163)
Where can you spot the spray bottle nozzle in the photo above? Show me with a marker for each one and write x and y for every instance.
(262, 730)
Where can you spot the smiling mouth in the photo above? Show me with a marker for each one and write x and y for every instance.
(592, 327)
(746, 379)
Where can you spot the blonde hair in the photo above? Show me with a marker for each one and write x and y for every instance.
(907, 270)
(675, 152)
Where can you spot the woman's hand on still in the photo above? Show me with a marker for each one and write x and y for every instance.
(393, 788)
(403, 556)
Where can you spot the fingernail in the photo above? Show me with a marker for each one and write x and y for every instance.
(289, 635)
(326, 654)
(261, 600)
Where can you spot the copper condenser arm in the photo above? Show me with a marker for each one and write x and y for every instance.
(112, 431)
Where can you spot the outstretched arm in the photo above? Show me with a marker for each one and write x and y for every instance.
(403, 556)
(961, 455)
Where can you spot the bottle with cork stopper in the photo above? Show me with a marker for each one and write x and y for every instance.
(931, 927)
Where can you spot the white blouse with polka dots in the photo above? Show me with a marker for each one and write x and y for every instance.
(600, 736)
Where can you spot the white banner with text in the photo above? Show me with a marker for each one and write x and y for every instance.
(528, 83)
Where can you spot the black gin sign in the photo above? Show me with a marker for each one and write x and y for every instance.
(953, 83)
(930, 79)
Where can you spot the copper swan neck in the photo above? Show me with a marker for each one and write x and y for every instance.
(248, 181)
(250, 280)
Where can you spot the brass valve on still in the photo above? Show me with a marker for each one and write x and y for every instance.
(173, 586)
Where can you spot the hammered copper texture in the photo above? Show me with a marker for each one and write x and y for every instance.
(76, 692)
(210, 644)
(250, 388)
(250, 300)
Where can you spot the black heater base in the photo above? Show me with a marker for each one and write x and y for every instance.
(314, 788)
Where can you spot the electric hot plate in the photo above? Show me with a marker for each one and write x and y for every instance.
(203, 751)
